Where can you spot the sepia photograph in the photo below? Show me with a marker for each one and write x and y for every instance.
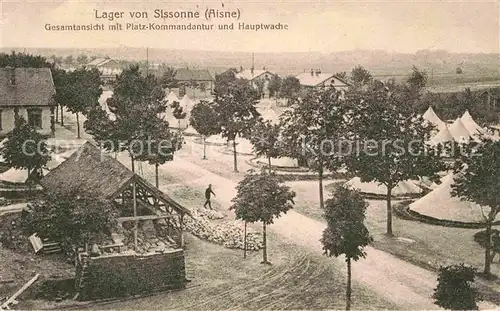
(249, 155)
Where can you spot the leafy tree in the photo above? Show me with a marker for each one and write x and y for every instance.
(266, 140)
(237, 112)
(290, 87)
(454, 290)
(82, 59)
(69, 60)
(342, 75)
(23, 60)
(314, 128)
(223, 80)
(25, 148)
(71, 219)
(259, 83)
(360, 77)
(204, 121)
(417, 80)
(260, 197)
(346, 233)
(274, 86)
(178, 112)
(390, 141)
(477, 179)
(168, 78)
(79, 91)
(137, 102)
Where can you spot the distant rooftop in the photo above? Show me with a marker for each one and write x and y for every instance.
(249, 75)
(316, 78)
(99, 62)
(186, 74)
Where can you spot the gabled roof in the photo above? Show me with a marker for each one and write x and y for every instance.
(99, 62)
(26, 87)
(315, 79)
(247, 74)
(92, 172)
(186, 74)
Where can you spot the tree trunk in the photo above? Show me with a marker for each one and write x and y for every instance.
(62, 116)
(245, 242)
(264, 244)
(270, 166)
(156, 176)
(234, 153)
(57, 114)
(487, 253)
(132, 162)
(179, 124)
(389, 211)
(348, 289)
(204, 148)
(77, 125)
(320, 180)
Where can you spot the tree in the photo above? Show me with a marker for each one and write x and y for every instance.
(236, 110)
(274, 86)
(390, 141)
(168, 78)
(260, 197)
(454, 290)
(178, 113)
(265, 139)
(417, 80)
(71, 219)
(290, 87)
(360, 77)
(79, 91)
(477, 180)
(23, 60)
(342, 75)
(137, 103)
(68, 60)
(314, 129)
(223, 80)
(346, 233)
(82, 59)
(25, 148)
(259, 84)
(204, 121)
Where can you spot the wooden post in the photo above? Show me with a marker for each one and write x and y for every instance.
(134, 199)
(245, 242)
(181, 237)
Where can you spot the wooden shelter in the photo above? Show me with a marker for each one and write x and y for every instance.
(92, 172)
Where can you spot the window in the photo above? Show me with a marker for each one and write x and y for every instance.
(35, 117)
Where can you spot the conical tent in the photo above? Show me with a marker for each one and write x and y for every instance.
(403, 188)
(281, 162)
(470, 124)
(270, 114)
(172, 98)
(459, 132)
(440, 204)
(442, 136)
(432, 117)
(190, 130)
(243, 145)
(186, 103)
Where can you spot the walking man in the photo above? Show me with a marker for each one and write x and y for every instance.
(208, 193)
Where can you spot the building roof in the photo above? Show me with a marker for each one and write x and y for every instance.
(247, 74)
(92, 172)
(493, 92)
(186, 74)
(308, 79)
(26, 87)
(98, 62)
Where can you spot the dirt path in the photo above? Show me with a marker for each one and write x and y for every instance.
(404, 284)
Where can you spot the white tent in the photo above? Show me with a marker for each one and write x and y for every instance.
(459, 132)
(14, 175)
(270, 114)
(431, 117)
(470, 124)
(440, 204)
(172, 98)
(403, 188)
(190, 131)
(186, 103)
(442, 136)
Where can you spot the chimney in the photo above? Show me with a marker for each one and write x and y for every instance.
(241, 68)
(264, 68)
(251, 70)
(318, 72)
(312, 72)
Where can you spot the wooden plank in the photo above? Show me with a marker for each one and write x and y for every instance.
(6, 304)
(145, 217)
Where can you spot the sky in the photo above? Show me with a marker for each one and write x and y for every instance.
(314, 26)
